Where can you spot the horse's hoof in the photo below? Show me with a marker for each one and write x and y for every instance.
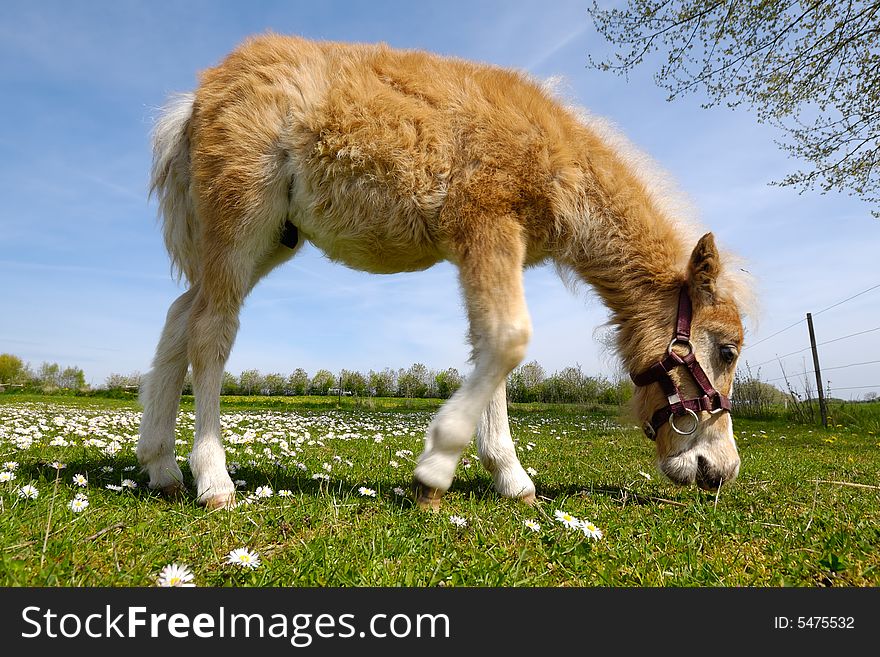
(529, 499)
(427, 499)
(224, 501)
(175, 489)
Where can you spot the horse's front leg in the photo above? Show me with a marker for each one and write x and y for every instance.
(490, 271)
(498, 453)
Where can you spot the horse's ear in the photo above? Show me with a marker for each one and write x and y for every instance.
(703, 269)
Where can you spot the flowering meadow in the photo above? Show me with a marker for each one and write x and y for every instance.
(324, 500)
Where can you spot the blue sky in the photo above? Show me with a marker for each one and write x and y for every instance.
(85, 280)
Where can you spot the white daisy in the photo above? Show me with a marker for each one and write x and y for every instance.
(57, 465)
(284, 493)
(531, 471)
(243, 557)
(590, 530)
(80, 480)
(6, 475)
(399, 491)
(531, 524)
(128, 483)
(567, 519)
(28, 491)
(113, 487)
(175, 575)
(10, 465)
(77, 504)
(367, 492)
(458, 521)
(264, 491)
(321, 475)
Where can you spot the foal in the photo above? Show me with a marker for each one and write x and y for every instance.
(391, 161)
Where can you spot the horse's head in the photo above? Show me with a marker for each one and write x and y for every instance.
(682, 397)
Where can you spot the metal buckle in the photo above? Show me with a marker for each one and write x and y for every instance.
(676, 341)
(685, 433)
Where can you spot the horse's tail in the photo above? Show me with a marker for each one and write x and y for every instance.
(170, 182)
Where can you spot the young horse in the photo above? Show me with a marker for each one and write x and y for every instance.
(391, 161)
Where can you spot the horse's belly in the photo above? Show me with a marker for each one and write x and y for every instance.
(364, 246)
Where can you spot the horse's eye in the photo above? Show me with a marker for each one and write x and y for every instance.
(728, 353)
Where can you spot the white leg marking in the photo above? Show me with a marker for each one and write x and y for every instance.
(453, 426)
(497, 451)
(160, 396)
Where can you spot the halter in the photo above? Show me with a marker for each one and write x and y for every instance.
(710, 400)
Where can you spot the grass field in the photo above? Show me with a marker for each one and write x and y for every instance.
(804, 512)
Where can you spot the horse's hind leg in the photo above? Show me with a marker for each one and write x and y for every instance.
(490, 271)
(498, 453)
(160, 397)
(212, 329)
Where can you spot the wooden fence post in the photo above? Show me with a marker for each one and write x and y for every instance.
(819, 387)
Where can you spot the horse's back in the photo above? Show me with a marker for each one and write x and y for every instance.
(379, 156)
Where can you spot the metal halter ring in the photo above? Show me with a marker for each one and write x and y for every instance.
(679, 431)
(676, 341)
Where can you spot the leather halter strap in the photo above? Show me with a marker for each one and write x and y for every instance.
(710, 400)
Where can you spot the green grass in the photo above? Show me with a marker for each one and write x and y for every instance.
(804, 511)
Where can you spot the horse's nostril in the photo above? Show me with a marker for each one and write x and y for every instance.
(707, 478)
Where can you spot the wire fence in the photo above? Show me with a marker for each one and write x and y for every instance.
(792, 380)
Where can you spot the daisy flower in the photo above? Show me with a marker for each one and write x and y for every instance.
(80, 480)
(284, 493)
(57, 465)
(113, 487)
(399, 491)
(10, 465)
(394, 464)
(128, 483)
(531, 471)
(366, 492)
(175, 575)
(531, 524)
(458, 521)
(243, 557)
(321, 475)
(28, 491)
(6, 475)
(264, 491)
(567, 519)
(590, 530)
(78, 504)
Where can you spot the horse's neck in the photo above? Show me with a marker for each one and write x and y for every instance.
(631, 253)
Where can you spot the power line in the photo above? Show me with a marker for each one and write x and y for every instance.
(844, 337)
(824, 369)
(790, 326)
(774, 334)
(847, 299)
(856, 387)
